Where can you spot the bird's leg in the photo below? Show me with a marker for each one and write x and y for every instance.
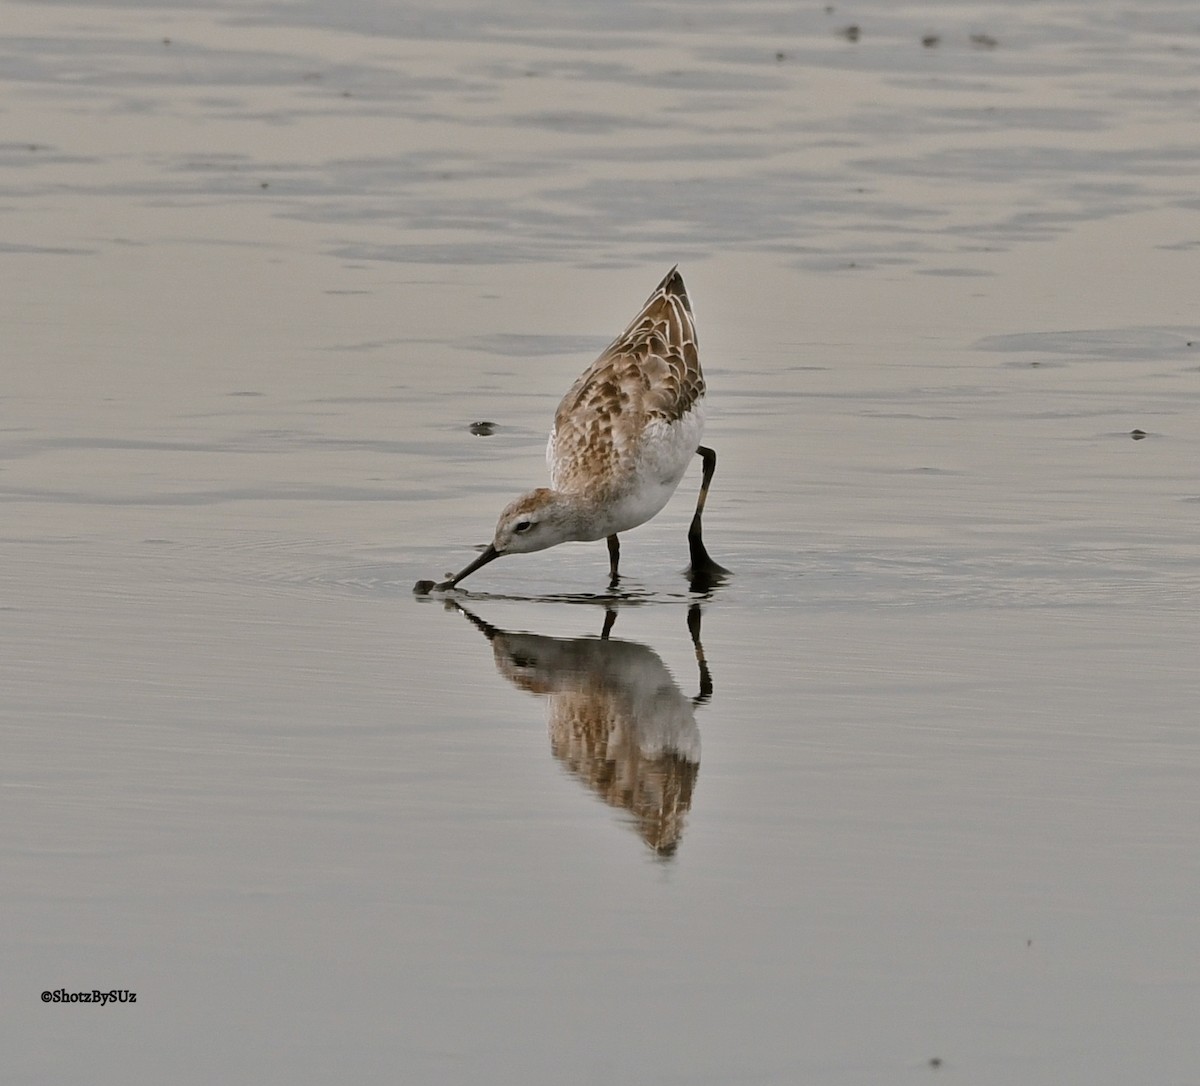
(706, 686)
(614, 556)
(703, 568)
(610, 619)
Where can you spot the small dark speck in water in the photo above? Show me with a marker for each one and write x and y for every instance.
(1137, 435)
(984, 41)
(935, 1061)
(263, 184)
(930, 40)
(781, 55)
(1029, 942)
(851, 32)
(483, 428)
(166, 41)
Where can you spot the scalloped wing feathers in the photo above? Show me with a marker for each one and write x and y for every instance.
(650, 373)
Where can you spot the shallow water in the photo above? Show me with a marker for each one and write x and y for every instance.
(918, 783)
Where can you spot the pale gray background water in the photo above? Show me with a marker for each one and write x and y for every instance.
(263, 264)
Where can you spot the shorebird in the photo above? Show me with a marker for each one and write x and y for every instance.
(623, 436)
(618, 721)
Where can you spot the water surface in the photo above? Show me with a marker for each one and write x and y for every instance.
(918, 784)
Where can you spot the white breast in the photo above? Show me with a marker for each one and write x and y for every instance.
(663, 455)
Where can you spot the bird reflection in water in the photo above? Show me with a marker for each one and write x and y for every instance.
(618, 721)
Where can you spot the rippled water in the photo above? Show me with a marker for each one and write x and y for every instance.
(913, 794)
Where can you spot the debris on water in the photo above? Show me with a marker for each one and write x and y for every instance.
(781, 55)
(930, 40)
(984, 41)
(935, 1061)
(851, 32)
(1137, 435)
(483, 428)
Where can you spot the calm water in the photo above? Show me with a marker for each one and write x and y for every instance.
(919, 784)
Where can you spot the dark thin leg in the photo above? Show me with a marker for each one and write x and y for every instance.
(706, 687)
(610, 619)
(704, 571)
(614, 556)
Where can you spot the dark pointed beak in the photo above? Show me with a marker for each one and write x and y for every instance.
(489, 554)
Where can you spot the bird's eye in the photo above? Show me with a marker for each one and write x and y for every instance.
(522, 526)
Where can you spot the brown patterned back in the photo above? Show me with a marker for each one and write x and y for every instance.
(650, 372)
